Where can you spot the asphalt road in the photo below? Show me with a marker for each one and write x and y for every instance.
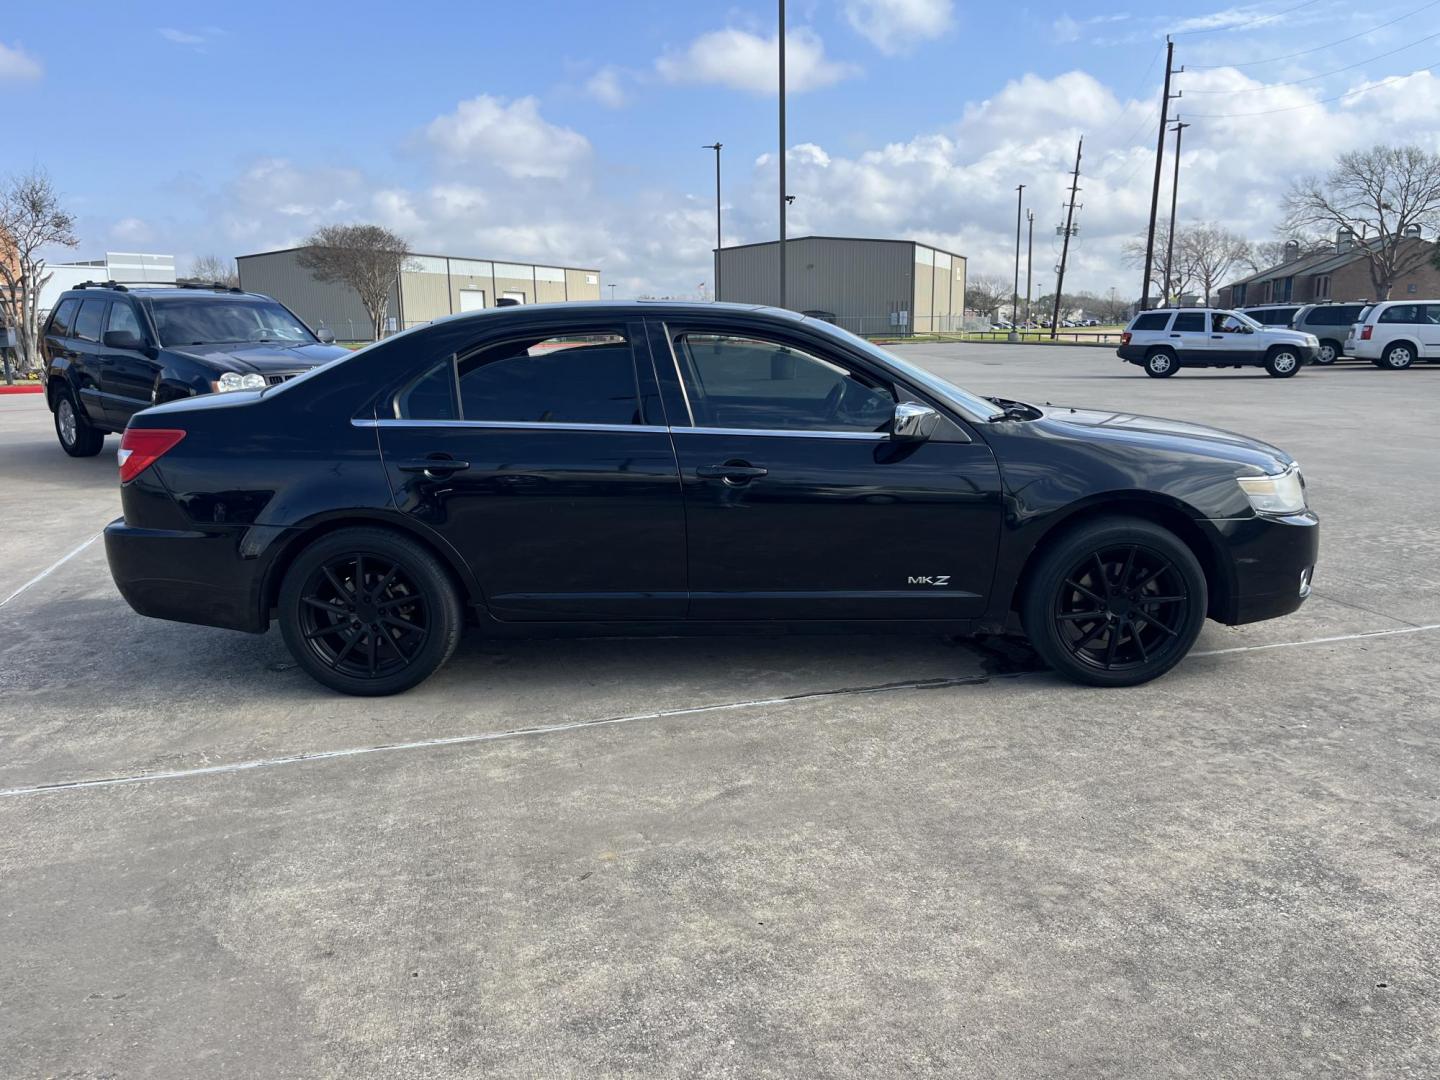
(779, 857)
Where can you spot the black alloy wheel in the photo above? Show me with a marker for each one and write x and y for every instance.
(366, 611)
(1115, 603)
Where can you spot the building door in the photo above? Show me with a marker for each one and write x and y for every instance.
(472, 299)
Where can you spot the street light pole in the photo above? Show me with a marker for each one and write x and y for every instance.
(717, 146)
(1015, 290)
(783, 204)
(1029, 259)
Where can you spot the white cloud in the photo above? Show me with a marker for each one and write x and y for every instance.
(132, 230)
(745, 61)
(511, 137)
(193, 39)
(16, 63)
(896, 26)
(606, 87)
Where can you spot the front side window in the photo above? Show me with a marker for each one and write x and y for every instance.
(214, 321)
(63, 322)
(89, 320)
(1222, 322)
(1191, 322)
(734, 381)
(122, 318)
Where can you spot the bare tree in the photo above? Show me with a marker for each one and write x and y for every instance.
(31, 220)
(368, 258)
(214, 270)
(1380, 195)
(986, 293)
(1170, 283)
(1210, 252)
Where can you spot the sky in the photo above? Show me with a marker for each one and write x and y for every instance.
(572, 134)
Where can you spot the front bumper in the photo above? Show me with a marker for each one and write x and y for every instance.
(1271, 564)
(186, 576)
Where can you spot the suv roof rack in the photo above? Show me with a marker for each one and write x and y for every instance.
(123, 286)
(117, 286)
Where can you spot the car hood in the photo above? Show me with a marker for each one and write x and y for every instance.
(1160, 435)
(262, 357)
(1285, 335)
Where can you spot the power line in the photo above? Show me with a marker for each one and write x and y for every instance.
(1323, 74)
(1243, 25)
(1317, 48)
(1312, 104)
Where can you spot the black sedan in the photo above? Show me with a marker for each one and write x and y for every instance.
(633, 467)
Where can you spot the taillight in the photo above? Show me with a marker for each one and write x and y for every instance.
(1365, 332)
(1125, 338)
(142, 447)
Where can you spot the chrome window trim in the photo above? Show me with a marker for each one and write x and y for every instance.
(503, 425)
(785, 433)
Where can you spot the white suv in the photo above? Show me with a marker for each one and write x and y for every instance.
(1395, 333)
(1171, 338)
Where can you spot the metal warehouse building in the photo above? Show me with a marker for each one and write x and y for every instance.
(868, 286)
(429, 286)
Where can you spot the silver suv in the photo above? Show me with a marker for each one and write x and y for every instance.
(1171, 338)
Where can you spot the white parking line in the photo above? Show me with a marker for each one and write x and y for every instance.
(660, 714)
(49, 570)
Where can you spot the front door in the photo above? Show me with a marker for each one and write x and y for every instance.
(799, 505)
(544, 460)
(128, 376)
(1232, 341)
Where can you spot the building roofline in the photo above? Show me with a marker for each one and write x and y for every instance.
(859, 239)
(434, 255)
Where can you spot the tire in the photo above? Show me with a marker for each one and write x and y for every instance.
(338, 633)
(1398, 356)
(78, 437)
(1329, 352)
(1283, 362)
(1160, 364)
(1133, 639)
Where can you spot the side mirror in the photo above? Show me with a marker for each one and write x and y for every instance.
(123, 339)
(326, 335)
(913, 423)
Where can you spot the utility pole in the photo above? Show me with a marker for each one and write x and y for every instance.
(1068, 229)
(716, 146)
(1174, 199)
(1029, 259)
(1165, 99)
(1015, 291)
(783, 203)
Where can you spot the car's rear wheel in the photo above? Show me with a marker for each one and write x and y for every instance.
(1160, 364)
(1115, 602)
(370, 612)
(1398, 357)
(1328, 352)
(77, 436)
(1283, 362)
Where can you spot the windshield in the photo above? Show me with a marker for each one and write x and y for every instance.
(211, 321)
(977, 408)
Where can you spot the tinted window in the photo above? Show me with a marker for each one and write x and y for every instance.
(584, 378)
(64, 319)
(87, 323)
(1403, 313)
(431, 396)
(742, 382)
(1334, 315)
(1154, 320)
(1190, 322)
(122, 318)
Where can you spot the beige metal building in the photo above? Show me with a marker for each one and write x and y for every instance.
(867, 286)
(429, 286)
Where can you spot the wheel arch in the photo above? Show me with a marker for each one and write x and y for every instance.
(1169, 514)
(1411, 345)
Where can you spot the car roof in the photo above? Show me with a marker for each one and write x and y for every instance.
(517, 312)
(153, 290)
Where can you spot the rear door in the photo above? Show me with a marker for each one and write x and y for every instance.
(1190, 337)
(799, 505)
(86, 357)
(544, 459)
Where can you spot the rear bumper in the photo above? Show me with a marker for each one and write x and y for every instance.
(1272, 561)
(193, 577)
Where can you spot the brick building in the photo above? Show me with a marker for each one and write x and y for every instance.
(1342, 273)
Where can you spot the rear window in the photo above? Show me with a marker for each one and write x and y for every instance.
(63, 321)
(1153, 320)
(1364, 313)
(90, 319)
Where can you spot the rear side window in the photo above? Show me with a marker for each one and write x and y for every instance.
(1153, 320)
(90, 319)
(1190, 321)
(62, 323)
(1403, 313)
(1333, 315)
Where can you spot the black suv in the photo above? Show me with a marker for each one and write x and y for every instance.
(112, 350)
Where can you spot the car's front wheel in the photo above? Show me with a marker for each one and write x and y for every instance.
(1160, 364)
(370, 612)
(1282, 362)
(1398, 357)
(77, 436)
(1115, 602)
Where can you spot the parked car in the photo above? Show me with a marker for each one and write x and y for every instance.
(663, 468)
(1282, 315)
(1330, 323)
(1164, 340)
(1393, 334)
(111, 350)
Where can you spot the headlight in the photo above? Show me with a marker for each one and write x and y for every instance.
(233, 380)
(1282, 494)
